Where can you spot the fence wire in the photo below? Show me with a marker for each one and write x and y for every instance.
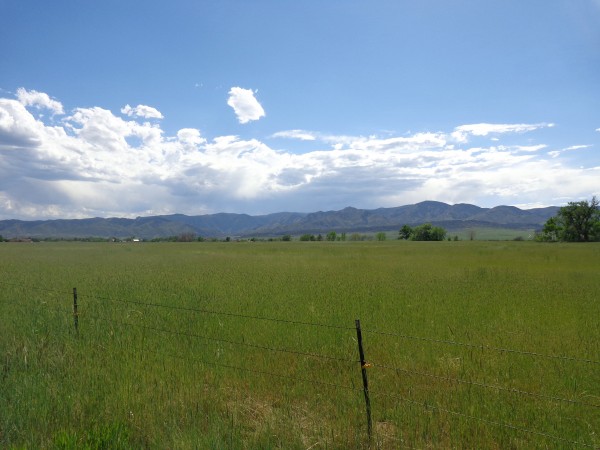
(424, 405)
(482, 347)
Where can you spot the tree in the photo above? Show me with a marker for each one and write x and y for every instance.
(186, 237)
(381, 236)
(331, 236)
(576, 222)
(551, 230)
(427, 232)
(472, 233)
(405, 232)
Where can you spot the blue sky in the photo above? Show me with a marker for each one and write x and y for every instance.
(134, 108)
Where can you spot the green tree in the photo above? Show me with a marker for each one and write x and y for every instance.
(551, 230)
(576, 222)
(428, 232)
(381, 236)
(286, 237)
(405, 232)
(331, 236)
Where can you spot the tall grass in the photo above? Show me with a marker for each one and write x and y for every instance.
(138, 375)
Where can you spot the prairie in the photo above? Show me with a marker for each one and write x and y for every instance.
(471, 344)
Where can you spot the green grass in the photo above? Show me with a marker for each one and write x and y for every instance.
(143, 376)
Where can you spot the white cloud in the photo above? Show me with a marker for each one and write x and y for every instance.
(39, 100)
(101, 164)
(461, 133)
(576, 147)
(557, 153)
(526, 148)
(245, 105)
(190, 136)
(296, 134)
(147, 112)
(374, 143)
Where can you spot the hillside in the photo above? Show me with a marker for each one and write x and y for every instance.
(452, 217)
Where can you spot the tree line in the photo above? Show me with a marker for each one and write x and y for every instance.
(425, 232)
(575, 222)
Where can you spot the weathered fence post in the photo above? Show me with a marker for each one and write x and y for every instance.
(363, 367)
(75, 315)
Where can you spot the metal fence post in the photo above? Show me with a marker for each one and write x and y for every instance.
(363, 367)
(75, 314)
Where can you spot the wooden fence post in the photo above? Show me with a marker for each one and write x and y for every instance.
(75, 315)
(363, 367)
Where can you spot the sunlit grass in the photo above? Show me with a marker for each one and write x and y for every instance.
(144, 376)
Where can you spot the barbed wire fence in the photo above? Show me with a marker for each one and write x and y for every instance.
(79, 310)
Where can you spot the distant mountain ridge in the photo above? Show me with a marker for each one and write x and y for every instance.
(452, 217)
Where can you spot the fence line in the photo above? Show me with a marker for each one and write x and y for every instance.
(425, 405)
(485, 385)
(387, 394)
(260, 372)
(481, 419)
(35, 288)
(325, 325)
(483, 347)
(335, 358)
(214, 339)
(224, 313)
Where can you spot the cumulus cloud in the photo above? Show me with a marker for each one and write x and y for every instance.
(147, 112)
(39, 100)
(245, 105)
(97, 163)
(190, 136)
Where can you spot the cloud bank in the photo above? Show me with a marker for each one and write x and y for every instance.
(91, 162)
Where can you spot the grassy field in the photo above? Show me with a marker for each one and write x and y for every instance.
(493, 234)
(471, 345)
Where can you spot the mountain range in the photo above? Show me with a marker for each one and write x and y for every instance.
(451, 217)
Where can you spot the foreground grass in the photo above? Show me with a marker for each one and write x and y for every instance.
(145, 376)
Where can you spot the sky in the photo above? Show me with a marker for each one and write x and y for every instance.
(138, 108)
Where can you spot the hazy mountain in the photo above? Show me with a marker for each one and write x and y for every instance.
(349, 219)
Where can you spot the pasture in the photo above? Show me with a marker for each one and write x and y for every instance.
(246, 345)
